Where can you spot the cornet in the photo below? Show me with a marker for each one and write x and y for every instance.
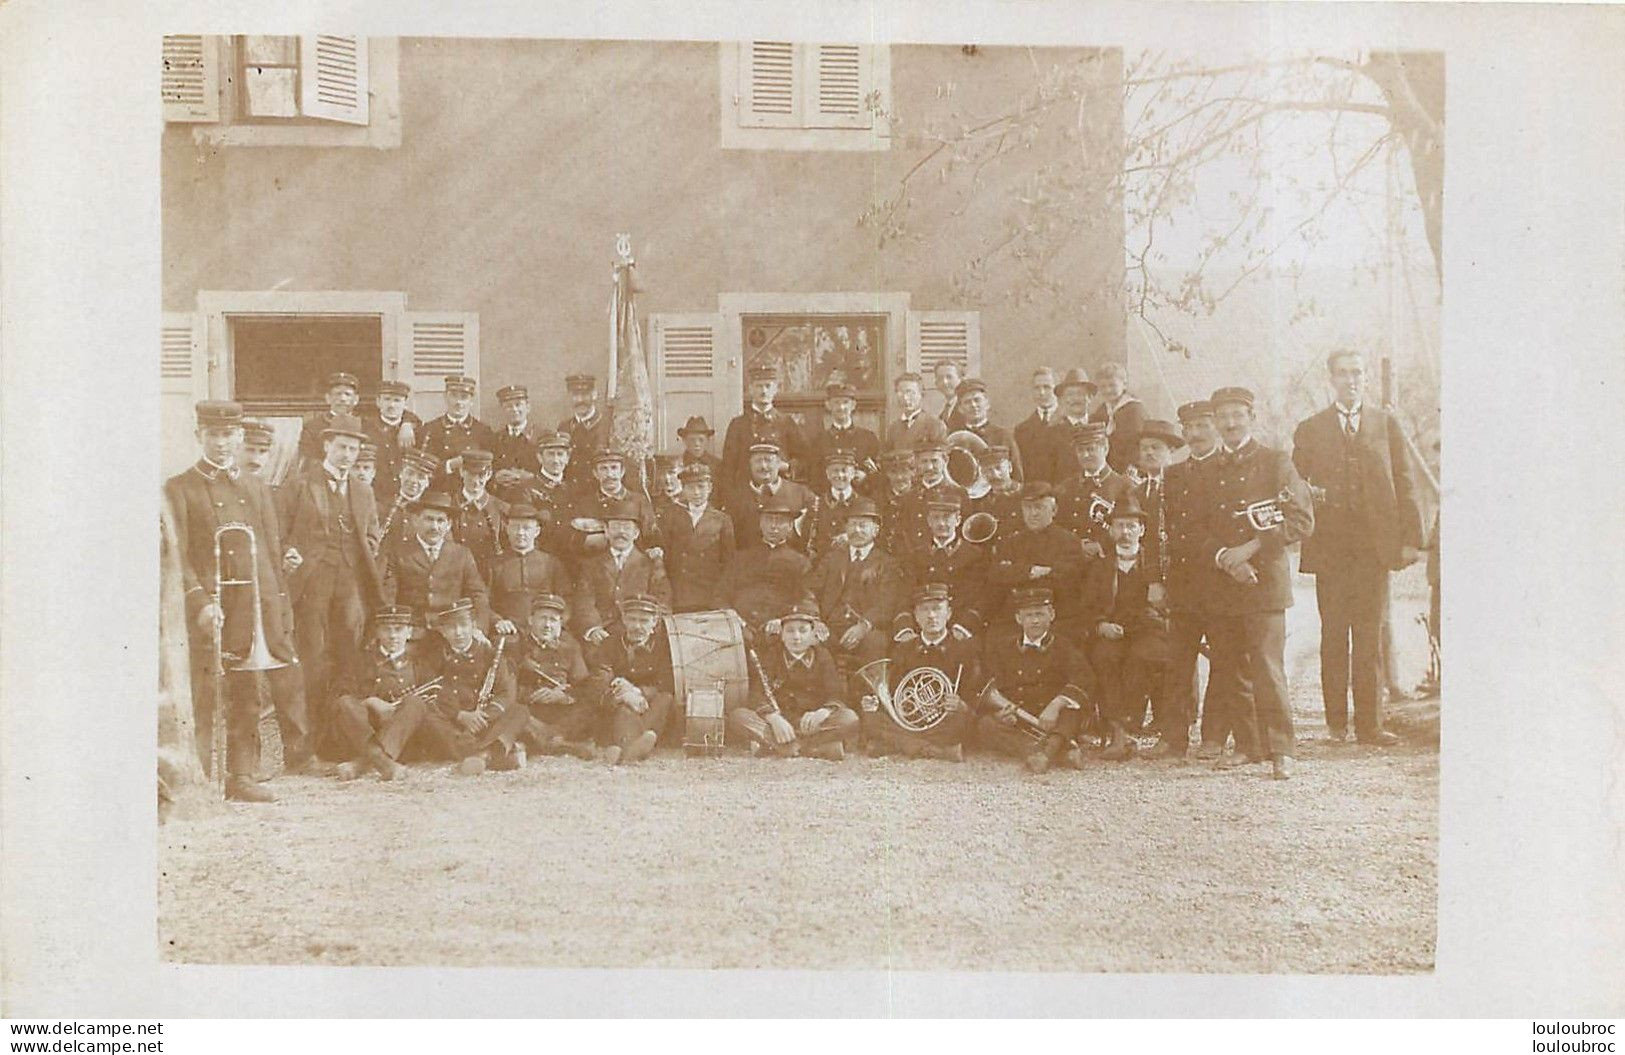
(1266, 513)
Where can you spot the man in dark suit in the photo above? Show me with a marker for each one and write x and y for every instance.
(975, 408)
(947, 377)
(514, 460)
(446, 438)
(798, 703)
(477, 523)
(620, 571)
(208, 495)
(841, 436)
(696, 436)
(343, 392)
(1089, 495)
(429, 572)
(859, 588)
(1040, 554)
(393, 429)
(524, 571)
(764, 485)
(1368, 522)
(699, 544)
(1126, 630)
(912, 425)
(635, 666)
(1121, 412)
(1075, 393)
(587, 426)
(1259, 506)
(1033, 435)
(761, 423)
(329, 522)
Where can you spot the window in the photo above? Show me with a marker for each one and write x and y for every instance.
(812, 351)
(281, 363)
(311, 90)
(784, 95)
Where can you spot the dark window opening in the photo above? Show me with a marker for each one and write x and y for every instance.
(281, 363)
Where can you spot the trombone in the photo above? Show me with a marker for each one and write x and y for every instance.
(258, 656)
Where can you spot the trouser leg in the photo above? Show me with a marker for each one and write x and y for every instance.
(1142, 674)
(1265, 634)
(292, 704)
(1367, 604)
(626, 726)
(751, 726)
(1332, 596)
(351, 727)
(242, 724)
(1106, 660)
(840, 724)
(951, 730)
(1230, 658)
(1177, 708)
(396, 731)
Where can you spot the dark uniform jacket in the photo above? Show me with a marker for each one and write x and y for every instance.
(203, 499)
(1111, 595)
(1014, 560)
(330, 532)
(912, 530)
(648, 666)
(1372, 507)
(368, 672)
(593, 504)
(870, 590)
(443, 440)
(826, 524)
(510, 451)
(1123, 432)
(1083, 504)
(587, 438)
(753, 427)
(601, 586)
(1005, 507)
(696, 555)
(1255, 473)
(960, 566)
(745, 507)
(518, 577)
(1153, 497)
(956, 658)
(463, 675)
(410, 578)
(719, 486)
(904, 433)
(860, 443)
(1063, 456)
(1186, 495)
(762, 582)
(387, 438)
(897, 532)
(799, 686)
(478, 525)
(555, 501)
(310, 438)
(1034, 440)
(560, 664)
(1032, 677)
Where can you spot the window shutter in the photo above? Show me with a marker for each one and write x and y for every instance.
(182, 369)
(839, 78)
(688, 378)
(333, 78)
(191, 79)
(769, 95)
(938, 336)
(437, 343)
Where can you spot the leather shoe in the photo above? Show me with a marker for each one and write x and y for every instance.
(951, 753)
(1074, 757)
(1037, 762)
(1337, 736)
(1281, 768)
(640, 748)
(309, 766)
(387, 767)
(500, 761)
(1236, 761)
(835, 752)
(243, 789)
(1380, 738)
(1121, 751)
(472, 766)
(348, 771)
(612, 755)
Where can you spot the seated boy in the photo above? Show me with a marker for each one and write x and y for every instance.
(796, 705)
(378, 702)
(635, 663)
(555, 684)
(1127, 635)
(935, 647)
(466, 726)
(1034, 705)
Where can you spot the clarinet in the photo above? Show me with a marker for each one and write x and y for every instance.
(491, 675)
(389, 521)
(767, 687)
(812, 527)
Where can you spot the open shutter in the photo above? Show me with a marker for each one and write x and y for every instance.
(333, 78)
(769, 92)
(938, 336)
(689, 377)
(839, 77)
(435, 344)
(191, 79)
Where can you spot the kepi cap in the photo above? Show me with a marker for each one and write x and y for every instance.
(218, 413)
(512, 393)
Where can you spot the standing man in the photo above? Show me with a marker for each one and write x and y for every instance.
(343, 392)
(1158, 441)
(696, 436)
(392, 429)
(1087, 498)
(415, 469)
(913, 424)
(592, 508)
(478, 521)
(908, 529)
(826, 526)
(329, 522)
(551, 495)
(760, 424)
(1075, 393)
(1259, 507)
(1033, 435)
(698, 544)
(974, 411)
(841, 436)
(446, 438)
(514, 461)
(255, 454)
(947, 377)
(1121, 413)
(587, 426)
(208, 495)
(949, 562)
(1368, 522)
(1003, 497)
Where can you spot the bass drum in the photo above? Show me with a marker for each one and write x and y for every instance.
(708, 654)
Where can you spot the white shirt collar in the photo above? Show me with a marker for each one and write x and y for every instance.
(841, 496)
(860, 553)
(434, 550)
(554, 480)
(1350, 412)
(934, 642)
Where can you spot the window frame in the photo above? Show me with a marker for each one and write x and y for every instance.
(736, 136)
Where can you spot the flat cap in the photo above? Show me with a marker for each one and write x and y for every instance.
(476, 460)
(580, 383)
(1036, 490)
(694, 472)
(1195, 410)
(460, 383)
(970, 385)
(1166, 431)
(932, 591)
(393, 615)
(394, 388)
(640, 602)
(420, 461)
(461, 606)
(764, 448)
(762, 372)
(1032, 597)
(345, 425)
(1089, 432)
(840, 390)
(862, 507)
(258, 432)
(522, 511)
(1231, 394)
(804, 610)
(547, 602)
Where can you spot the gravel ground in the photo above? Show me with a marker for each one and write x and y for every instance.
(870, 863)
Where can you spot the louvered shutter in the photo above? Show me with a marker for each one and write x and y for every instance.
(689, 379)
(191, 79)
(333, 78)
(183, 379)
(434, 344)
(838, 77)
(769, 92)
(938, 336)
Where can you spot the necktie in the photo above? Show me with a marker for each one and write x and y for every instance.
(1349, 427)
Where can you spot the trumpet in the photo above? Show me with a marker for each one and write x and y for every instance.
(258, 656)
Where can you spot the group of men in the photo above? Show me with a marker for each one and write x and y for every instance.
(456, 591)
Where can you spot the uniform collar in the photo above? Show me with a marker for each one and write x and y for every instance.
(1041, 644)
(211, 471)
(805, 659)
(591, 418)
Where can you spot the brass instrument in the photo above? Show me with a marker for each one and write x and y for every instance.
(920, 701)
(1100, 509)
(432, 683)
(979, 527)
(1266, 513)
(258, 656)
(968, 446)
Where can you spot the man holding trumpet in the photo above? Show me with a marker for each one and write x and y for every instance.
(1037, 698)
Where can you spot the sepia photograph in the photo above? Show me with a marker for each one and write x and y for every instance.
(799, 504)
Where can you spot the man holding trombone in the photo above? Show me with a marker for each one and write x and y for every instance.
(239, 619)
